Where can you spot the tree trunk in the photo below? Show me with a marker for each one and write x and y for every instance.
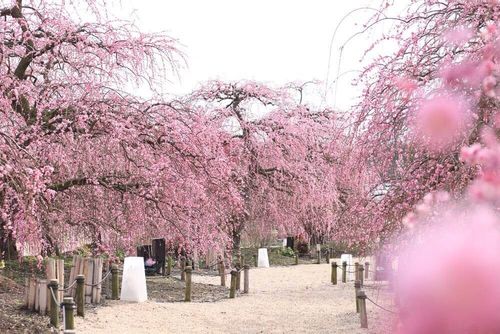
(236, 241)
(8, 250)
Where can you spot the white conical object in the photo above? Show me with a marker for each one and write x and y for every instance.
(134, 280)
(263, 259)
(350, 270)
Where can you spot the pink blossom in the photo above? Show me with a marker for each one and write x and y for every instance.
(448, 276)
(459, 36)
(489, 84)
(441, 120)
(469, 154)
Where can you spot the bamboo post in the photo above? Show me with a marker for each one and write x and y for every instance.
(43, 297)
(80, 295)
(344, 272)
(356, 271)
(37, 295)
(334, 273)
(187, 296)
(60, 276)
(88, 271)
(357, 288)
(363, 316)
(26, 291)
(232, 290)
(296, 259)
(54, 308)
(246, 284)
(361, 274)
(31, 294)
(114, 281)
(69, 313)
(367, 270)
(97, 280)
(222, 272)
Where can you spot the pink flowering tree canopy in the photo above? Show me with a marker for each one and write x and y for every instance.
(282, 158)
(421, 104)
(84, 159)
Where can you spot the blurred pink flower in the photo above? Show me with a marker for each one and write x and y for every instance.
(469, 154)
(448, 277)
(466, 74)
(489, 85)
(459, 36)
(441, 120)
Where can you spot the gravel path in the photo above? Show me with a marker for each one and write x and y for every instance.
(295, 299)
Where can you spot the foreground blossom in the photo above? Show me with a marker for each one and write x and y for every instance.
(441, 120)
(448, 278)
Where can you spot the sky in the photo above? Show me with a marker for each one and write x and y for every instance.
(274, 41)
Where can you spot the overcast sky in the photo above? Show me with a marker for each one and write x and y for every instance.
(274, 41)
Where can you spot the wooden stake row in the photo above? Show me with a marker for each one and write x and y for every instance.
(37, 293)
(91, 269)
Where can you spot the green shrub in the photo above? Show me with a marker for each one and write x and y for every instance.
(287, 251)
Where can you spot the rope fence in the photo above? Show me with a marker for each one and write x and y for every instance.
(380, 306)
(101, 281)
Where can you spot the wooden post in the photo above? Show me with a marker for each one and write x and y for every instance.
(319, 256)
(222, 273)
(361, 274)
(69, 313)
(296, 259)
(327, 256)
(367, 269)
(80, 295)
(246, 284)
(357, 287)
(363, 316)
(334, 273)
(187, 295)
(344, 272)
(54, 308)
(356, 271)
(232, 290)
(114, 282)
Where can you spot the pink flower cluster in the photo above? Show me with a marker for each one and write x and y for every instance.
(447, 280)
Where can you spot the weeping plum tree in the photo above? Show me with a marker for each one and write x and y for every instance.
(282, 157)
(82, 159)
(422, 104)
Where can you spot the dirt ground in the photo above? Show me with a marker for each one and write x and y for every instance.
(13, 319)
(293, 299)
